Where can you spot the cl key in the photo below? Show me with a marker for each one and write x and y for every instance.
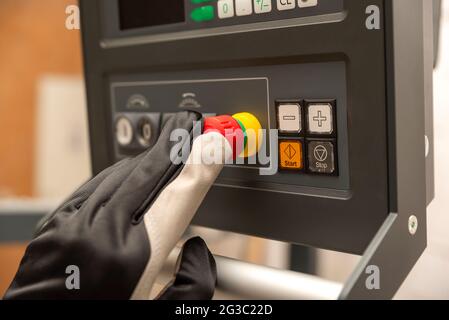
(286, 4)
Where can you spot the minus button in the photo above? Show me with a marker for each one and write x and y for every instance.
(289, 118)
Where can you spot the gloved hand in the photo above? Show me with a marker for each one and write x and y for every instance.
(119, 228)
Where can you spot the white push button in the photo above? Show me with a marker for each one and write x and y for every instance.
(225, 9)
(320, 118)
(289, 118)
(243, 7)
(286, 4)
(124, 131)
(262, 6)
(307, 3)
(145, 132)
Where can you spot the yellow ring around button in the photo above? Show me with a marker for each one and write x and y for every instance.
(253, 130)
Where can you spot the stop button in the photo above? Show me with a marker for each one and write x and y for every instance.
(321, 157)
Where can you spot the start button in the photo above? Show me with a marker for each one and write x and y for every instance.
(291, 155)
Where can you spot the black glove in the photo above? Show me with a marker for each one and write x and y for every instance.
(119, 228)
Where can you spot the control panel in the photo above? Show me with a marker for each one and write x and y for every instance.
(302, 109)
(329, 84)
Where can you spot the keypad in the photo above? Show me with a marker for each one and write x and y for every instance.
(307, 136)
(240, 8)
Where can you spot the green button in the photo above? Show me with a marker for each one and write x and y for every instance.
(200, 1)
(202, 14)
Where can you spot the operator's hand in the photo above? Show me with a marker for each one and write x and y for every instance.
(119, 228)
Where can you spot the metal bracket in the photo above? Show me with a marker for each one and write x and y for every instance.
(393, 252)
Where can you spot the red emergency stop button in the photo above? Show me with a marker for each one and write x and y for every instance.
(229, 128)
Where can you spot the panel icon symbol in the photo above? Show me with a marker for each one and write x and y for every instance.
(320, 153)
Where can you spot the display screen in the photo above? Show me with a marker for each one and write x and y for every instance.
(147, 13)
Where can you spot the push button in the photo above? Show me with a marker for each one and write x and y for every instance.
(243, 7)
(289, 118)
(225, 9)
(148, 129)
(320, 118)
(321, 156)
(307, 3)
(124, 131)
(262, 6)
(203, 14)
(286, 4)
(291, 155)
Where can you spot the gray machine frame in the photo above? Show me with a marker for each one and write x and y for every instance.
(389, 69)
(403, 237)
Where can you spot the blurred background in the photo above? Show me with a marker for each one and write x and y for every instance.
(44, 151)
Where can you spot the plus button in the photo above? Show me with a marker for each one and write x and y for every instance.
(320, 119)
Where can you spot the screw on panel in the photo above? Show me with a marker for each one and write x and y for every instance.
(412, 225)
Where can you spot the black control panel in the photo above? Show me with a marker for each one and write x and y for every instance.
(302, 109)
(331, 79)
